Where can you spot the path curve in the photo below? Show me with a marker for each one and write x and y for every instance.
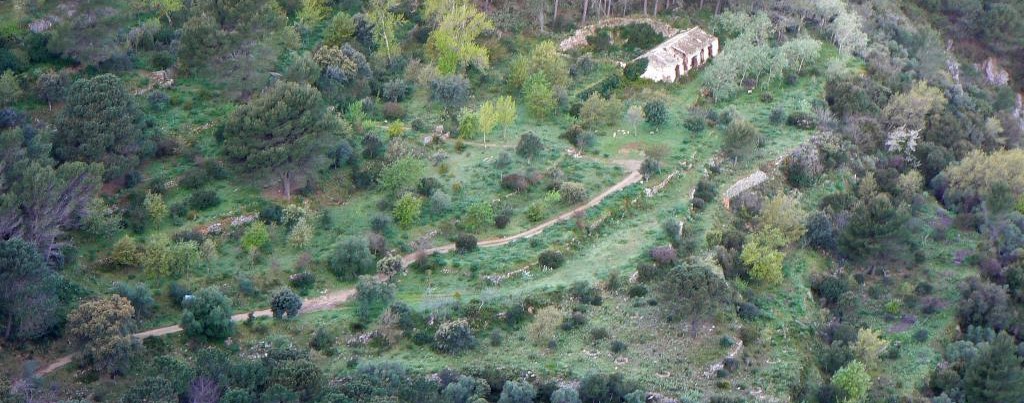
(337, 297)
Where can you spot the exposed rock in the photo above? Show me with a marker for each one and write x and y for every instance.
(995, 74)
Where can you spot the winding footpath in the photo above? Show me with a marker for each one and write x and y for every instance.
(334, 298)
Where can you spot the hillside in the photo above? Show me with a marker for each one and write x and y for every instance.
(527, 201)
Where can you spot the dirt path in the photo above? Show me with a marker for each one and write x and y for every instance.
(337, 297)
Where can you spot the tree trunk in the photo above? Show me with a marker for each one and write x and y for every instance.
(586, 4)
(554, 15)
(286, 183)
(718, 6)
(645, 7)
(655, 8)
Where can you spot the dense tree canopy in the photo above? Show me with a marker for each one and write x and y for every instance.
(100, 123)
(280, 132)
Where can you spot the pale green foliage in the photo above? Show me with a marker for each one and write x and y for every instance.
(600, 111)
(255, 237)
(101, 329)
(313, 11)
(978, 172)
(909, 109)
(101, 219)
(407, 210)
(499, 112)
(543, 58)
(853, 380)
(477, 215)
(453, 42)
(125, 252)
(798, 52)
(155, 206)
(10, 88)
(539, 96)
(339, 30)
(635, 114)
(301, 233)
(869, 345)
(760, 252)
(385, 26)
(848, 33)
(166, 7)
(783, 213)
(401, 175)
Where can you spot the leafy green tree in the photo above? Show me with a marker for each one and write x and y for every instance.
(477, 215)
(155, 207)
(372, 296)
(138, 294)
(385, 25)
(453, 42)
(543, 58)
(783, 213)
(407, 210)
(529, 146)
(312, 12)
(304, 69)
(351, 258)
(466, 389)
(517, 392)
(600, 111)
(995, 373)
(102, 330)
(10, 88)
(655, 113)
(402, 175)
(285, 304)
(207, 314)
(538, 96)
(693, 291)
(280, 131)
(760, 252)
(341, 28)
(100, 123)
(28, 292)
(450, 91)
(853, 381)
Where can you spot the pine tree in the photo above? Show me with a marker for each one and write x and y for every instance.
(995, 374)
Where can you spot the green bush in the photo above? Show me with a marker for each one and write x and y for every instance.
(203, 199)
(454, 337)
(655, 113)
(551, 259)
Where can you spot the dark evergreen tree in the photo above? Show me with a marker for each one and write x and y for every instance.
(995, 374)
(280, 132)
(100, 123)
(285, 303)
(28, 292)
(208, 314)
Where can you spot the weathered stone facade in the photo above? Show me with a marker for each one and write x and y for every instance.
(679, 54)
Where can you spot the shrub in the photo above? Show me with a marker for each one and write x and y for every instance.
(454, 337)
(575, 320)
(599, 333)
(552, 259)
(740, 138)
(777, 115)
(637, 291)
(465, 243)
(801, 119)
(517, 392)
(515, 182)
(351, 258)
(208, 314)
(695, 123)
(285, 304)
(572, 192)
(635, 69)
(655, 113)
(585, 293)
(322, 340)
(664, 255)
(618, 346)
(138, 294)
(203, 199)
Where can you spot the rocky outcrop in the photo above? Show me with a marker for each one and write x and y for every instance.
(995, 74)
